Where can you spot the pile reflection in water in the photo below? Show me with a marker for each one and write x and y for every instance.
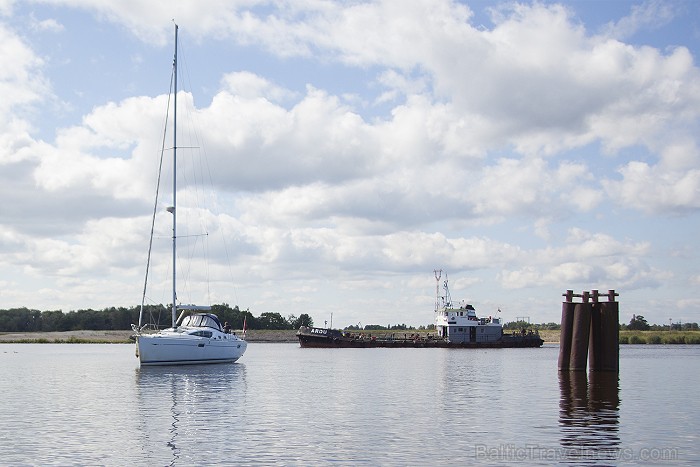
(589, 416)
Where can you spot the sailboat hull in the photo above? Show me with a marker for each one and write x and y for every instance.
(160, 349)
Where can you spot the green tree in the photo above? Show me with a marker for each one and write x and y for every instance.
(20, 320)
(517, 325)
(638, 323)
(234, 316)
(303, 320)
(270, 320)
(52, 320)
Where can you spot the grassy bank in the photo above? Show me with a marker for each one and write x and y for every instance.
(641, 337)
(659, 337)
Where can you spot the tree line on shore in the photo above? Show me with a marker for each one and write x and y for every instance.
(637, 323)
(121, 318)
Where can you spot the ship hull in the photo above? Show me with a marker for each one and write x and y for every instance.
(335, 339)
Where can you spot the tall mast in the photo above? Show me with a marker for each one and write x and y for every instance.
(174, 211)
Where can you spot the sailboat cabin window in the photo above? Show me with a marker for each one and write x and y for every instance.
(200, 321)
(202, 333)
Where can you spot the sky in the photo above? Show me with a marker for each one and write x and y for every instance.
(341, 152)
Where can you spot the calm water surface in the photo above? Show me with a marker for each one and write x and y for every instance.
(85, 404)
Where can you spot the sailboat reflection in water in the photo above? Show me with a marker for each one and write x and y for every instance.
(192, 338)
(175, 401)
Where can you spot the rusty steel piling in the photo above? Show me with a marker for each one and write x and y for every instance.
(589, 332)
(580, 337)
(566, 333)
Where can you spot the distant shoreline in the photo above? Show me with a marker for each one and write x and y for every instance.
(122, 337)
(289, 335)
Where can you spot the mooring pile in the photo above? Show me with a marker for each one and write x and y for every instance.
(589, 331)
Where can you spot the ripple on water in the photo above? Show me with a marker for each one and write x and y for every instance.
(282, 405)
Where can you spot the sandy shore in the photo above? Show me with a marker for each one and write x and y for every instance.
(116, 337)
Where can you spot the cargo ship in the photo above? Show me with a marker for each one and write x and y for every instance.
(456, 326)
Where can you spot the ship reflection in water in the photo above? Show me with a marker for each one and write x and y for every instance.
(589, 416)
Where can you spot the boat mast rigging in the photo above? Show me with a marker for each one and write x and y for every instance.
(155, 204)
(173, 209)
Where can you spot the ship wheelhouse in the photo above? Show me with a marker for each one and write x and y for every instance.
(461, 324)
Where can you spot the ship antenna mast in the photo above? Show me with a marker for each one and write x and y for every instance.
(447, 299)
(438, 273)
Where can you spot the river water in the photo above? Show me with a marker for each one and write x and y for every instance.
(91, 404)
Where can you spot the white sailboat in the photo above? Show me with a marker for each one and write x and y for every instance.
(196, 336)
